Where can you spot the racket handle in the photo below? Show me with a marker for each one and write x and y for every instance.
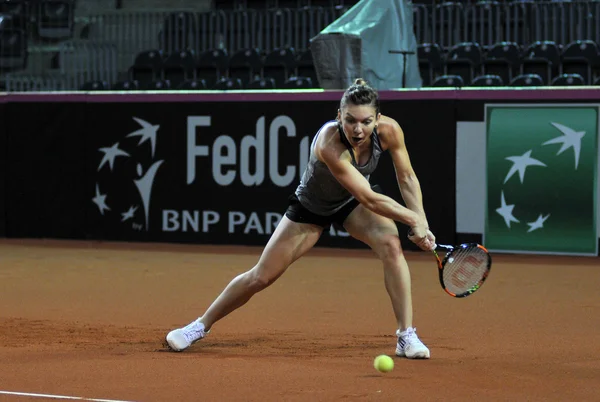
(444, 246)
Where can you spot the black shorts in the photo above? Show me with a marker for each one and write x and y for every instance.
(296, 212)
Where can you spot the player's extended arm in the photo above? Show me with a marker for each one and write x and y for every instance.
(409, 185)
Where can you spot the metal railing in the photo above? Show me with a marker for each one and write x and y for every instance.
(565, 22)
(36, 83)
(131, 32)
(441, 22)
(488, 22)
(448, 24)
(422, 23)
(266, 29)
(85, 61)
(484, 23)
(123, 33)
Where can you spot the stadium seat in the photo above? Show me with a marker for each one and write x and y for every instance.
(447, 81)
(95, 86)
(212, 65)
(541, 58)
(580, 57)
(56, 19)
(279, 64)
(245, 65)
(126, 85)
(464, 59)
(527, 80)
(147, 67)
(18, 10)
(195, 85)
(503, 59)
(262, 83)
(564, 80)
(228, 84)
(13, 44)
(157, 85)
(305, 66)
(487, 80)
(298, 83)
(179, 66)
(431, 62)
(14, 7)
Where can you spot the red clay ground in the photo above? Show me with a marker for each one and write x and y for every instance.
(88, 319)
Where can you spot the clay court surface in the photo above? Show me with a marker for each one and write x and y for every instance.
(87, 319)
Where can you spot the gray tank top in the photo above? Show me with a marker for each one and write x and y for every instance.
(319, 191)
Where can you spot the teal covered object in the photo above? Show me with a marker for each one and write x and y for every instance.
(358, 43)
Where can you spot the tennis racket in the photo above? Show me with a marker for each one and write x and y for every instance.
(463, 269)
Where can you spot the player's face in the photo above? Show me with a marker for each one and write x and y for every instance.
(358, 122)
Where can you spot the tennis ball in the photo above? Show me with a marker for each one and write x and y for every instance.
(383, 364)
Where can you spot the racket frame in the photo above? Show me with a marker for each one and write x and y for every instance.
(442, 263)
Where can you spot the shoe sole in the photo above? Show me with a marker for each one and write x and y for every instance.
(422, 355)
(168, 344)
(169, 348)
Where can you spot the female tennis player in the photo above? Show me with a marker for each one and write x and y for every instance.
(335, 189)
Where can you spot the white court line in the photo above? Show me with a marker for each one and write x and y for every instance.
(77, 398)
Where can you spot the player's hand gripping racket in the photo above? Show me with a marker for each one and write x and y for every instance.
(463, 269)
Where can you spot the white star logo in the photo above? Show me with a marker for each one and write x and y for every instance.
(100, 201)
(110, 153)
(129, 213)
(147, 132)
(505, 211)
(144, 186)
(520, 163)
(569, 139)
(538, 224)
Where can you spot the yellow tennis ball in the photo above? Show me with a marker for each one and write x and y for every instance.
(383, 363)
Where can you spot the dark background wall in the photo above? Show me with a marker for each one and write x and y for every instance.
(55, 167)
(209, 168)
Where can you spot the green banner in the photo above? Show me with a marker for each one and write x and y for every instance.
(541, 179)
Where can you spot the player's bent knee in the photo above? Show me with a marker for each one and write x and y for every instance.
(260, 279)
(388, 247)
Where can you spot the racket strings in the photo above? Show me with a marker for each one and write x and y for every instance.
(465, 269)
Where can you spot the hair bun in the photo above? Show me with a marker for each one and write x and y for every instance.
(360, 93)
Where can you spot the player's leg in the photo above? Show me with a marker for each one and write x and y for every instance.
(381, 234)
(288, 243)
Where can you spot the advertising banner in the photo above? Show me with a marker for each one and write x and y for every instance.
(45, 196)
(541, 178)
(206, 173)
(222, 172)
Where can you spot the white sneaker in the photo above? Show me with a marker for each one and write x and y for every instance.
(182, 338)
(410, 346)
